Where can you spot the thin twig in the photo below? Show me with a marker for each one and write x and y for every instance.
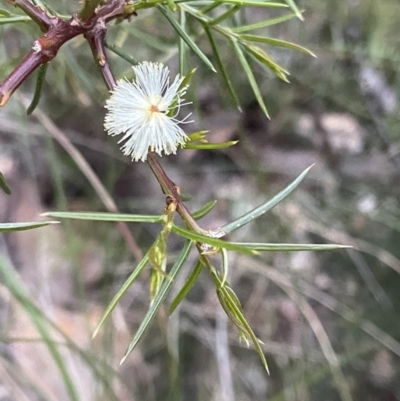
(96, 39)
(45, 49)
(169, 188)
(38, 14)
(58, 32)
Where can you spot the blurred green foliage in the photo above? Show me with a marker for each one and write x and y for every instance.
(351, 198)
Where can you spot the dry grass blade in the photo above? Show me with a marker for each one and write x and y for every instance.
(88, 172)
(315, 323)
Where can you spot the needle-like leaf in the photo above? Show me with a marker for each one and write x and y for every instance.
(105, 216)
(162, 293)
(221, 67)
(111, 306)
(210, 146)
(38, 90)
(187, 287)
(182, 33)
(276, 42)
(263, 24)
(198, 214)
(4, 185)
(231, 304)
(260, 210)
(295, 9)
(8, 227)
(250, 75)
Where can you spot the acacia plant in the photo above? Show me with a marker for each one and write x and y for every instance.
(146, 112)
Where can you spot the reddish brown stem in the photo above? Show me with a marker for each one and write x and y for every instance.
(169, 188)
(38, 14)
(96, 37)
(30, 62)
(113, 9)
(46, 47)
(43, 50)
(96, 40)
(94, 30)
(59, 32)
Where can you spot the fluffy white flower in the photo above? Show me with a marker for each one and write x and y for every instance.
(139, 110)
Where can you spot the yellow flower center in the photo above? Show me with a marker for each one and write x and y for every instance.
(154, 101)
(154, 109)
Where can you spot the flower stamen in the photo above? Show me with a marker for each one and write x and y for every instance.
(139, 111)
(154, 109)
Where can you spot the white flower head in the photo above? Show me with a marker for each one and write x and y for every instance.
(139, 110)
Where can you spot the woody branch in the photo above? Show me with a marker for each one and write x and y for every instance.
(91, 23)
(57, 33)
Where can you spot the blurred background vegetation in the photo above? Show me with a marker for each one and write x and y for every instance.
(329, 321)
